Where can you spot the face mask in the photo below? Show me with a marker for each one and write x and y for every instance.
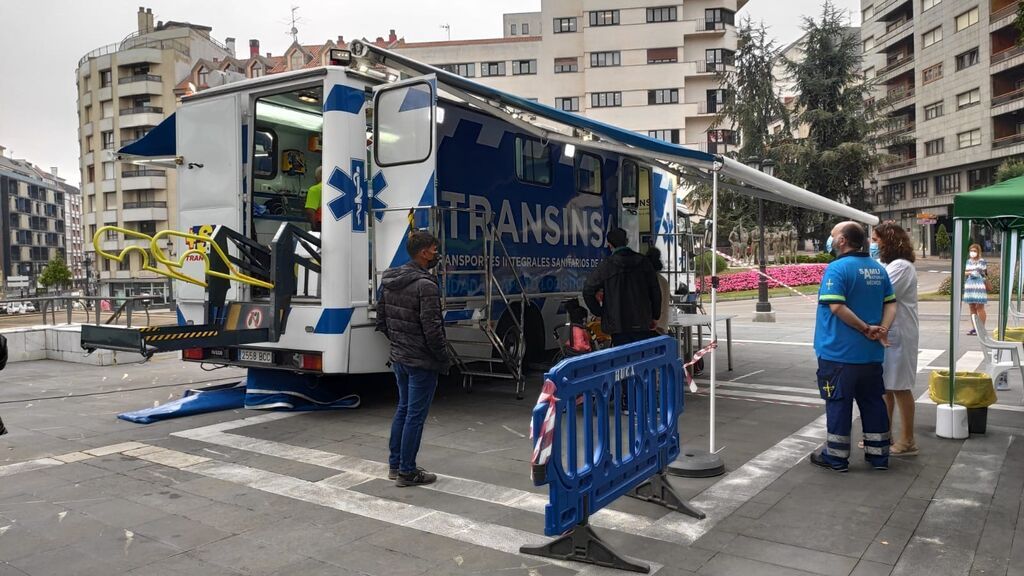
(974, 254)
(828, 246)
(873, 250)
(433, 262)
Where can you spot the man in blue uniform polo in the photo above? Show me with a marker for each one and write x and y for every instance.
(856, 306)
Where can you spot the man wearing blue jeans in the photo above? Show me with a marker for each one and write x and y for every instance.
(409, 314)
(856, 307)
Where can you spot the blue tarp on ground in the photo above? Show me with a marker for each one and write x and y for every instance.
(260, 390)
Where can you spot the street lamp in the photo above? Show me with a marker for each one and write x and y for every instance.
(763, 311)
(87, 263)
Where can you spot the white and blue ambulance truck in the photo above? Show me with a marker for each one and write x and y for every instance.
(520, 194)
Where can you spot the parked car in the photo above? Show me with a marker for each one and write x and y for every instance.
(15, 308)
(28, 307)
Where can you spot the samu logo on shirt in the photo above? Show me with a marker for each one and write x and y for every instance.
(872, 276)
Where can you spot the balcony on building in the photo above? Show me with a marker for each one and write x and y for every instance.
(1003, 12)
(720, 141)
(146, 115)
(888, 10)
(898, 127)
(1008, 131)
(899, 26)
(86, 99)
(1008, 90)
(109, 217)
(902, 156)
(711, 68)
(1006, 53)
(715, 21)
(138, 84)
(140, 55)
(899, 95)
(143, 179)
(145, 211)
(899, 59)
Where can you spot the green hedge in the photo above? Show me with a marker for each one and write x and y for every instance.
(704, 264)
(946, 286)
(819, 258)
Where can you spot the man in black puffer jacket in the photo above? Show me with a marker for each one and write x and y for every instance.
(409, 314)
(632, 297)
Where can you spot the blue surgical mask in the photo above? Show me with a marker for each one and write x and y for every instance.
(873, 251)
(828, 245)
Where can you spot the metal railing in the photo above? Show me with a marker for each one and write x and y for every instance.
(1007, 97)
(898, 165)
(148, 204)
(120, 308)
(141, 172)
(898, 128)
(139, 78)
(894, 97)
(705, 25)
(892, 33)
(1002, 55)
(704, 67)
(896, 64)
(142, 110)
(1008, 140)
(136, 42)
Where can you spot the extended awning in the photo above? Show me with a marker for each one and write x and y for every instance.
(605, 136)
(156, 147)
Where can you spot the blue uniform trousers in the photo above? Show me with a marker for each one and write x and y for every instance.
(840, 385)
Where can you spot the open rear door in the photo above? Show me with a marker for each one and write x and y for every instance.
(404, 185)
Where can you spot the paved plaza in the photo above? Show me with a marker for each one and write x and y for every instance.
(243, 492)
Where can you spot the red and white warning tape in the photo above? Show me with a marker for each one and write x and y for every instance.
(696, 357)
(756, 270)
(545, 436)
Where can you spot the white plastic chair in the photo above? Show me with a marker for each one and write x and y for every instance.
(1002, 355)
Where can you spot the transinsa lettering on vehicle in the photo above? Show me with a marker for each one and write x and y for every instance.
(553, 233)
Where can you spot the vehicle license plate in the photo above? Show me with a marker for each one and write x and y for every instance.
(261, 356)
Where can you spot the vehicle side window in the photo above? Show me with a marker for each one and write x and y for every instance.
(264, 154)
(630, 181)
(533, 161)
(588, 173)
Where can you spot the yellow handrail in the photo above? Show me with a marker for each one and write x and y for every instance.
(172, 265)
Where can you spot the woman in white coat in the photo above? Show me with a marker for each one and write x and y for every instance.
(899, 370)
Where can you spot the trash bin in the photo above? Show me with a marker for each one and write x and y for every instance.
(974, 391)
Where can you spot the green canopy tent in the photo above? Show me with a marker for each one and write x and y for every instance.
(1001, 206)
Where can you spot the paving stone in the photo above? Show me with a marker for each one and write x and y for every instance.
(869, 568)
(180, 532)
(753, 509)
(184, 565)
(19, 541)
(935, 558)
(161, 475)
(715, 540)
(116, 462)
(790, 556)
(230, 518)
(122, 513)
(306, 539)
(310, 567)
(291, 468)
(67, 561)
(247, 555)
(125, 549)
(727, 565)
(8, 570)
(888, 545)
(369, 559)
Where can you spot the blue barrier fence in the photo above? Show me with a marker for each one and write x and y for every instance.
(589, 451)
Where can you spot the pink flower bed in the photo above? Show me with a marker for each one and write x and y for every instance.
(791, 275)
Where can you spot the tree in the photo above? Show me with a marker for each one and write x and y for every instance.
(1010, 168)
(839, 153)
(56, 273)
(942, 242)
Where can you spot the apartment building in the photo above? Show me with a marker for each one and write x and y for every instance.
(649, 67)
(74, 246)
(32, 218)
(950, 79)
(124, 90)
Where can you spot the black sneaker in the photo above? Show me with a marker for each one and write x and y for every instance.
(393, 473)
(877, 466)
(817, 460)
(417, 478)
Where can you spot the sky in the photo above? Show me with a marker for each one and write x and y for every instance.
(42, 41)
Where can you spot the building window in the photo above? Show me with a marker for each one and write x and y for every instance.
(563, 65)
(603, 59)
(106, 78)
(894, 192)
(947, 183)
(867, 13)
(257, 70)
(108, 170)
(568, 104)
(662, 55)
(663, 96)
(297, 60)
(492, 69)
(526, 28)
(969, 98)
(970, 138)
(981, 177)
(717, 18)
(605, 99)
(533, 161)
(933, 147)
(604, 18)
(929, 4)
(563, 25)
(869, 73)
(671, 135)
(108, 139)
(513, 31)
(967, 19)
(967, 59)
(663, 14)
(869, 43)
(464, 70)
(520, 67)
(931, 73)
(932, 36)
(718, 58)
(933, 111)
(919, 188)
